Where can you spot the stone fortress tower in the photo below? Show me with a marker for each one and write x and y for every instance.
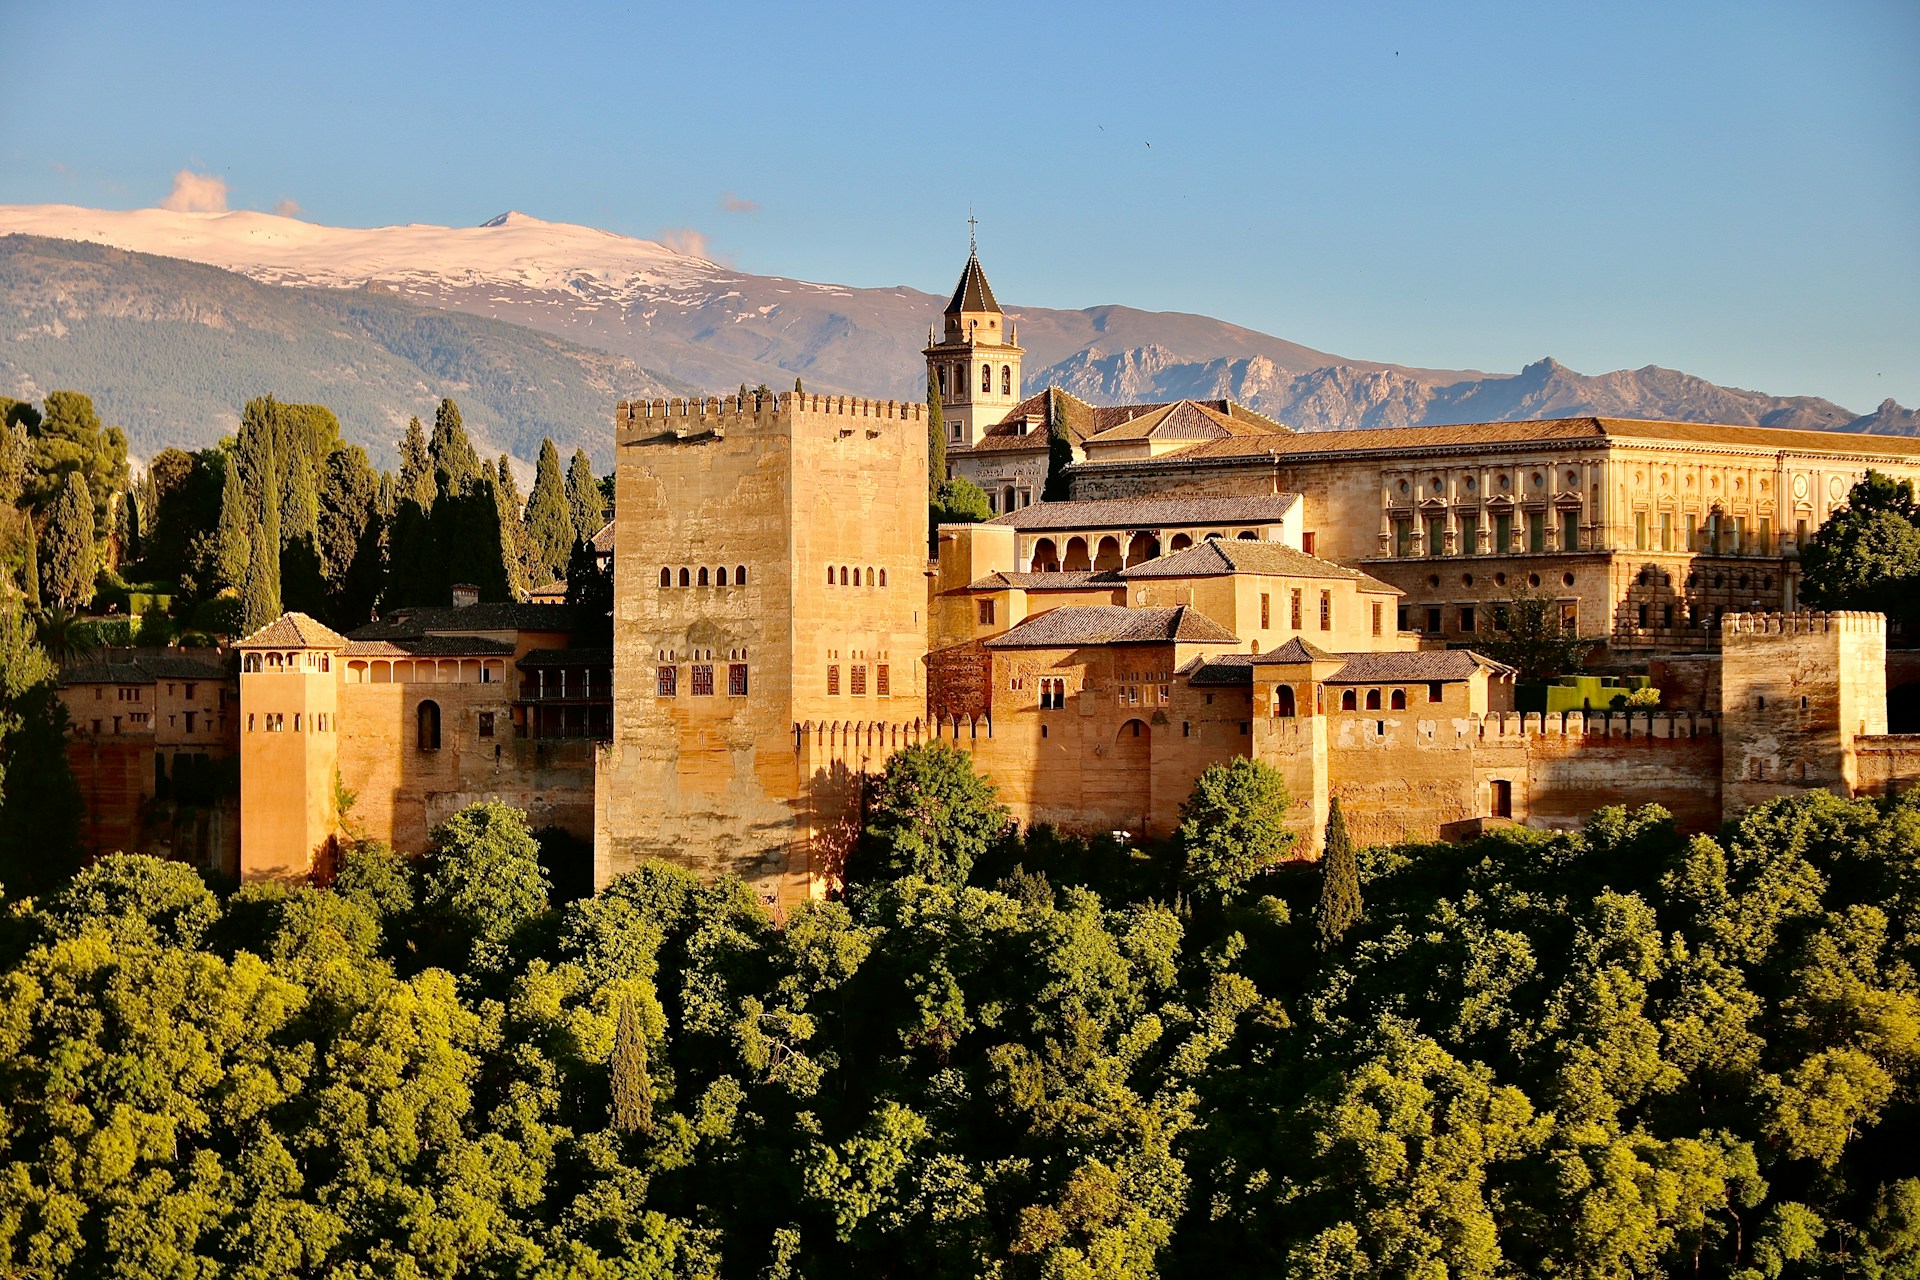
(770, 597)
(975, 360)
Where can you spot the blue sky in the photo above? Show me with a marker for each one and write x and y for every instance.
(1729, 189)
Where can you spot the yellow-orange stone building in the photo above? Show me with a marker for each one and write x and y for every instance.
(1218, 586)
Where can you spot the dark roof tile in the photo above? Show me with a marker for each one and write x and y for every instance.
(1149, 513)
(1113, 624)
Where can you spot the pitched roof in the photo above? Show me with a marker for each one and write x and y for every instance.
(293, 631)
(425, 647)
(1075, 581)
(1218, 669)
(106, 673)
(603, 539)
(501, 616)
(972, 293)
(1083, 421)
(554, 592)
(1218, 557)
(1442, 665)
(1183, 420)
(1297, 650)
(1113, 624)
(1544, 430)
(1149, 513)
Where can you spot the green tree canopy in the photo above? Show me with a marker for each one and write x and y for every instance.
(39, 804)
(70, 440)
(1534, 642)
(66, 550)
(456, 467)
(549, 519)
(931, 814)
(960, 501)
(1339, 907)
(483, 882)
(1867, 554)
(1234, 825)
(583, 497)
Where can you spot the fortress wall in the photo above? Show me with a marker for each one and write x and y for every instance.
(1571, 775)
(1887, 764)
(1796, 690)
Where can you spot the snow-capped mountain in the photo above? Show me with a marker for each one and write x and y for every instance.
(700, 323)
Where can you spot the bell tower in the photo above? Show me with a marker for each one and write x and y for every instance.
(974, 358)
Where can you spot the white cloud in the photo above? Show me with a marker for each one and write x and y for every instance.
(196, 193)
(731, 203)
(685, 240)
(287, 207)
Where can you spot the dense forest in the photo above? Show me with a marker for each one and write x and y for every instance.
(1615, 1053)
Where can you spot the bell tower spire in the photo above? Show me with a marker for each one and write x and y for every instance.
(974, 360)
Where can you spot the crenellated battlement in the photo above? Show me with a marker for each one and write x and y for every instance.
(710, 415)
(1804, 623)
(1464, 731)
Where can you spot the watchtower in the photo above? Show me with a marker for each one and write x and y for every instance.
(770, 571)
(974, 359)
(1797, 690)
(289, 746)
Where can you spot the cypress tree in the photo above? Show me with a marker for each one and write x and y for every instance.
(416, 469)
(1059, 448)
(583, 496)
(1339, 908)
(130, 517)
(549, 523)
(30, 577)
(456, 467)
(260, 601)
(300, 503)
(936, 439)
(513, 549)
(67, 568)
(797, 388)
(233, 548)
(632, 1086)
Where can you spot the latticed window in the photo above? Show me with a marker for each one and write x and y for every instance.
(1326, 610)
(667, 682)
(736, 680)
(882, 681)
(703, 679)
(1053, 693)
(1296, 609)
(833, 679)
(858, 679)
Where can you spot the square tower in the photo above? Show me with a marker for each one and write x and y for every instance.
(1797, 690)
(289, 746)
(770, 581)
(975, 360)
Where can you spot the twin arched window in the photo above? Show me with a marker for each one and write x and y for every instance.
(718, 576)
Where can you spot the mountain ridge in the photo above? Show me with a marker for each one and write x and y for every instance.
(701, 324)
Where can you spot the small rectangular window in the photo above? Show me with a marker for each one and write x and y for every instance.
(833, 679)
(1639, 531)
(1326, 610)
(486, 724)
(857, 680)
(667, 682)
(882, 681)
(1377, 611)
(1536, 531)
(986, 613)
(1693, 533)
(1764, 545)
(1503, 534)
(1306, 542)
(1469, 533)
(1436, 536)
(1296, 609)
(1266, 603)
(1433, 620)
(736, 680)
(1467, 619)
(703, 679)
(1434, 691)
(1053, 693)
(1403, 537)
(1666, 530)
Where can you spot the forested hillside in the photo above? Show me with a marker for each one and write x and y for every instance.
(171, 349)
(1619, 1053)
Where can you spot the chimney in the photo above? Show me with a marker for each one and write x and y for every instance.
(464, 594)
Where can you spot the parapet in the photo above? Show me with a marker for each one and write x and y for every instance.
(1803, 623)
(710, 415)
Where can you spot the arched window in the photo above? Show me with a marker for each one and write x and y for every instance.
(720, 576)
(686, 578)
(429, 723)
(843, 575)
(1006, 379)
(1283, 700)
(666, 576)
(869, 575)
(703, 576)
(1398, 702)
(739, 575)
(986, 379)
(252, 663)
(883, 577)
(1373, 699)
(275, 661)
(829, 575)
(1347, 700)
(940, 371)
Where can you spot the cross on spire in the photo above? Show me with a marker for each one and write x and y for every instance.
(973, 243)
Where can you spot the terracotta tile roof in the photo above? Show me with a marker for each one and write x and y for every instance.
(554, 592)
(567, 658)
(1075, 581)
(603, 540)
(1149, 513)
(426, 647)
(1219, 557)
(1012, 434)
(1297, 650)
(1442, 665)
(1183, 420)
(504, 616)
(1545, 431)
(293, 631)
(1218, 669)
(973, 293)
(1113, 624)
